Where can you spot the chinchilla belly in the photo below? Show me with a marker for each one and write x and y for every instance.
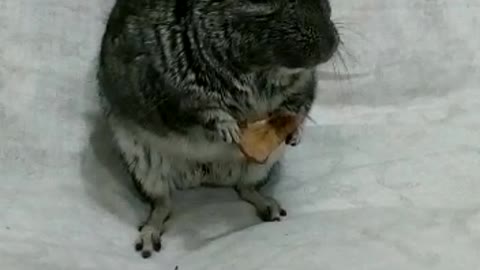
(189, 161)
(195, 163)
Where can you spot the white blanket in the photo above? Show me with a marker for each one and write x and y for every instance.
(388, 176)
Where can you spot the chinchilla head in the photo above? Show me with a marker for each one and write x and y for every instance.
(292, 34)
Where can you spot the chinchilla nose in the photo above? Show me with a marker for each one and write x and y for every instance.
(330, 44)
(333, 41)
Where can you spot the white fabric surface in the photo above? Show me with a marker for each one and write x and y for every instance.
(387, 177)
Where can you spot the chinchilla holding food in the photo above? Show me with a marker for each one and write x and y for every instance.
(176, 77)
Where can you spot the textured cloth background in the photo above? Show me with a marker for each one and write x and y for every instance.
(387, 177)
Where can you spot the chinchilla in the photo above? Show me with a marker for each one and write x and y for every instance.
(177, 77)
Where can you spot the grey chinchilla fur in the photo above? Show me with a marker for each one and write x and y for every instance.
(176, 78)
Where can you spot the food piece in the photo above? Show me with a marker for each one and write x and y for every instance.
(261, 138)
